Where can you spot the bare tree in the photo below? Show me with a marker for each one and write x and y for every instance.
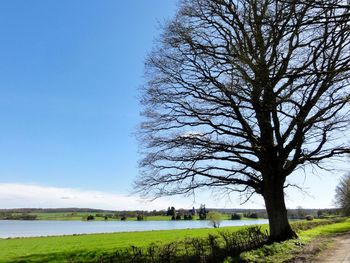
(241, 93)
(342, 195)
(214, 219)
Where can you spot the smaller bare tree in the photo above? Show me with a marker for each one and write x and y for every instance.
(342, 194)
(214, 219)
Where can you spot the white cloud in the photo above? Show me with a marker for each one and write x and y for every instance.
(35, 196)
(17, 195)
(192, 134)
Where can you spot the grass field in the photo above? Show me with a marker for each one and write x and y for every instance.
(88, 247)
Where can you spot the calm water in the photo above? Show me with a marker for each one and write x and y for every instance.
(23, 228)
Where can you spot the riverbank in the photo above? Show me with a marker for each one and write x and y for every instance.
(89, 248)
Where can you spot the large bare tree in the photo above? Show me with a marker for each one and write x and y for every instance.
(241, 93)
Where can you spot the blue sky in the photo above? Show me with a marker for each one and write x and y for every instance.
(69, 78)
(70, 73)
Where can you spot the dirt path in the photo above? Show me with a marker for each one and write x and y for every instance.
(331, 249)
(338, 251)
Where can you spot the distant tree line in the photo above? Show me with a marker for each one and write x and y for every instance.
(303, 213)
(171, 211)
(17, 216)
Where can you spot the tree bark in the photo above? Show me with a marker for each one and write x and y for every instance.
(280, 228)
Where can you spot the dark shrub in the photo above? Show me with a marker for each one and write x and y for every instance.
(202, 216)
(236, 216)
(253, 215)
(188, 217)
(309, 217)
(139, 217)
(178, 217)
(90, 217)
(123, 218)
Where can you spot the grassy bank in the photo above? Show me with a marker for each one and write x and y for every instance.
(285, 251)
(88, 247)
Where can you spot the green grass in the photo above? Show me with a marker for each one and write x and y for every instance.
(62, 216)
(89, 247)
(328, 229)
(284, 251)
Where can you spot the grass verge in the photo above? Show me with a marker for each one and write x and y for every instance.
(86, 248)
(286, 251)
(89, 248)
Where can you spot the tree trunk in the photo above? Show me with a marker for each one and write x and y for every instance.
(280, 228)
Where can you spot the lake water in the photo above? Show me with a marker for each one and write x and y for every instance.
(26, 228)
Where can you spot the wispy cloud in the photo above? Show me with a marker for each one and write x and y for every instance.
(23, 195)
(17, 195)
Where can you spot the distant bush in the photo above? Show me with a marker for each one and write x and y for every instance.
(188, 217)
(139, 217)
(253, 215)
(123, 218)
(236, 216)
(202, 216)
(178, 217)
(90, 217)
(309, 217)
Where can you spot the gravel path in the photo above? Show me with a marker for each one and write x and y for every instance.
(339, 251)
